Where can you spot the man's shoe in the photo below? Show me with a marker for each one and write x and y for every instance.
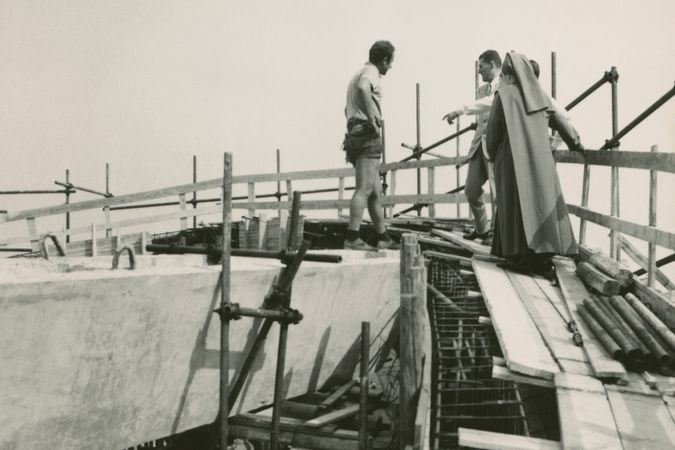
(488, 240)
(358, 244)
(388, 245)
(475, 235)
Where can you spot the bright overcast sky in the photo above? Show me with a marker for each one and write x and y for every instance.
(144, 85)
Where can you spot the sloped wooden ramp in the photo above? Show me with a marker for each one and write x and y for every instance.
(538, 349)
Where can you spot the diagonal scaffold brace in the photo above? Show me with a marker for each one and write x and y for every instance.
(276, 308)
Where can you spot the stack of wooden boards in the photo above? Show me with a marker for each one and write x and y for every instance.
(599, 403)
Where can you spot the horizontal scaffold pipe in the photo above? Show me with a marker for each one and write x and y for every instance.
(215, 183)
(661, 161)
(646, 233)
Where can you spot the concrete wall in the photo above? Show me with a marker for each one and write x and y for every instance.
(94, 358)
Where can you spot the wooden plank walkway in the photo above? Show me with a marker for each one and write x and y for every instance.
(539, 351)
(642, 419)
(520, 341)
(541, 302)
(585, 415)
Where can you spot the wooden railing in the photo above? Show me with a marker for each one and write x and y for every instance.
(251, 204)
(652, 161)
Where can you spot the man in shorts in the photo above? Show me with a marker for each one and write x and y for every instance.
(363, 146)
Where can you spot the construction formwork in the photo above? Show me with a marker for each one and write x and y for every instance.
(464, 394)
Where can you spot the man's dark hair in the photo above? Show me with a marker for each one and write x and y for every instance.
(491, 56)
(535, 67)
(379, 51)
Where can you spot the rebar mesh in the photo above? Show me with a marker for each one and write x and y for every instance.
(464, 393)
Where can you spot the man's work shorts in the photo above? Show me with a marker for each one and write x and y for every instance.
(361, 141)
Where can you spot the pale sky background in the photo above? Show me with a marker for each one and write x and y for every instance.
(144, 85)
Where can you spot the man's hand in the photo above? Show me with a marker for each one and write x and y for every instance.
(579, 148)
(461, 160)
(374, 128)
(450, 117)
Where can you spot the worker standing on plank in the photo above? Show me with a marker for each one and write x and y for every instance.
(363, 146)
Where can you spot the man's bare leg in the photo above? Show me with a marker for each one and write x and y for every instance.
(362, 190)
(375, 200)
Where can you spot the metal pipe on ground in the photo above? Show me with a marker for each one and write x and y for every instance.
(645, 354)
(610, 344)
(282, 255)
(629, 348)
(648, 316)
(641, 329)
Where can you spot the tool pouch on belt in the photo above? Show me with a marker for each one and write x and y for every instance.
(357, 136)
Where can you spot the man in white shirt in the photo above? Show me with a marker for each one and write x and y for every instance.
(489, 67)
(363, 146)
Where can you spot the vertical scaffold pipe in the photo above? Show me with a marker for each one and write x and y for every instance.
(225, 299)
(363, 399)
(418, 146)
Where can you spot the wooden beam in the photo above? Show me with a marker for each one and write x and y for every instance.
(430, 189)
(333, 416)
(253, 426)
(504, 373)
(646, 233)
(607, 265)
(651, 263)
(413, 320)
(574, 291)
(129, 222)
(597, 280)
(663, 162)
(643, 262)
(658, 303)
(490, 440)
(457, 239)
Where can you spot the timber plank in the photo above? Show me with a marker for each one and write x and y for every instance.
(664, 162)
(501, 441)
(643, 262)
(503, 373)
(551, 326)
(585, 414)
(644, 232)
(523, 347)
(643, 421)
(575, 292)
(457, 239)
